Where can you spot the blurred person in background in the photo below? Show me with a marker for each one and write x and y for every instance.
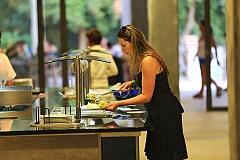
(100, 71)
(20, 55)
(202, 60)
(115, 49)
(117, 54)
(50, 50)
(7, 72)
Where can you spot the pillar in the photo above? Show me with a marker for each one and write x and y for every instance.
(233, 60)
(140, 15)
(163, 35)
(126, 13)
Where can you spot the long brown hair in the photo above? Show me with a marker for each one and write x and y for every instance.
(140, 47)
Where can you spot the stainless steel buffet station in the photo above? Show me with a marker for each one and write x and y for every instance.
(102, 137)
(54, 127)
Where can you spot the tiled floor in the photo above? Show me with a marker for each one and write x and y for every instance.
(206, 132)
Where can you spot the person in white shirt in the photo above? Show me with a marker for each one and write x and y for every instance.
(117, 54)
(115, 49)
(7, 72)
(100, 71)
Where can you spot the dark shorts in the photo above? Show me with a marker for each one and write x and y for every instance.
(202, 61)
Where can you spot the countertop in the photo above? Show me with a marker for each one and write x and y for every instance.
(118, 123)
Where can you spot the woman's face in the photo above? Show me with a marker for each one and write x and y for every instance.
(125, 45)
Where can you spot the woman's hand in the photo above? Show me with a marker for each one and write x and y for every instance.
(126, 86)
(112, 106)
(8, 83)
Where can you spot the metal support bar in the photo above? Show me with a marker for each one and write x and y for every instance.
(79, 88)
(88, 77)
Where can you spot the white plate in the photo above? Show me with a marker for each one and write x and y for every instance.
(96, 113)
(136, 113)
(123, 109)
(57, 118)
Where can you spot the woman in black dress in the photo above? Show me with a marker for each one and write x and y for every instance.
(166, 140)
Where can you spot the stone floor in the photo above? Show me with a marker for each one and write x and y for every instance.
(206, 132)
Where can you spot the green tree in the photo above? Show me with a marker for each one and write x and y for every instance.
(81, 15)
(15, 17)
(217, 18)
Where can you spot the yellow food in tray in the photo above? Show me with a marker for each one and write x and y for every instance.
(100, 105)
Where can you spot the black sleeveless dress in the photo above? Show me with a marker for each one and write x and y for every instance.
(166, 140)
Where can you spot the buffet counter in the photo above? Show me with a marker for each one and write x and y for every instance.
(115, 137)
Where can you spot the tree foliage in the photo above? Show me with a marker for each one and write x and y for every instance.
(217, 17)
(79, 14)
(85, 14)
(15, 17)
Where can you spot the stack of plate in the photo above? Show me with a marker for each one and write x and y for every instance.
(137, 113)
(56, 118)
(96, 113)
(127, 109)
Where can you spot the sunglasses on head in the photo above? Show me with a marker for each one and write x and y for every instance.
(126, 30)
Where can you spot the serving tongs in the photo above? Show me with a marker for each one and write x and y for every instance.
(111, 90)
(98, 95)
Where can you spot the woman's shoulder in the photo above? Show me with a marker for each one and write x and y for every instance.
(148, 58)
(149, 62)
